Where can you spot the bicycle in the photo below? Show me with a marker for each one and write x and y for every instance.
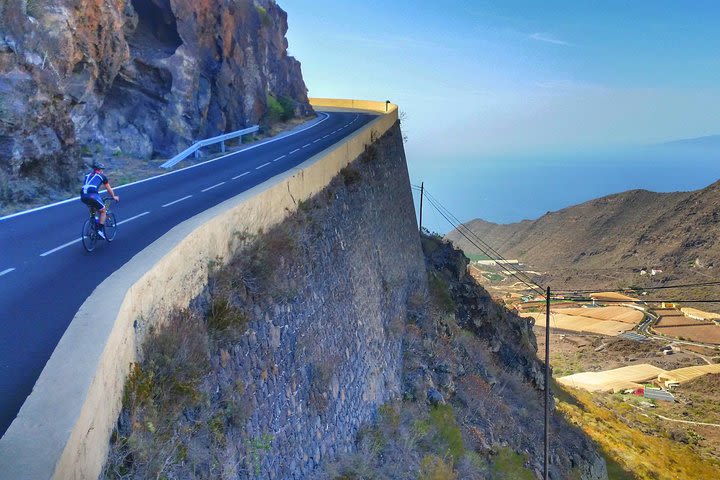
(91, 226)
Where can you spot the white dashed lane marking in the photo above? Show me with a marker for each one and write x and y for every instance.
(79, 239)
(59, 248)
(263, 165)
(305, 146)
(296, 150)
(176, 201)
(5, 272)
(214, 186)
(280, 158)
(241, 175)
(133, 218)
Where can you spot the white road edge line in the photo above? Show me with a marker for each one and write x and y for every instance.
(7, 217)
(280, 158)
(263, 165)
(241, 175)
(133, 218)
(6, 271)
(210, 188)
(60, 247)
(296, 150)
(176, 201)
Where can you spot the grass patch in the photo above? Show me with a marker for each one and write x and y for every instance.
(440, 292)
(509, 464)
(433, 467)
(493, 277)
(474, 257)
(263, 14)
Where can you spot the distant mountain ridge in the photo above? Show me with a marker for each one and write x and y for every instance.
(712, 141)
(626, 231)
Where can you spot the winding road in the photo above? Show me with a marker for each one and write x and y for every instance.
(46, 275)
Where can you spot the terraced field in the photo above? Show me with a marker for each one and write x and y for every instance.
(576, 323)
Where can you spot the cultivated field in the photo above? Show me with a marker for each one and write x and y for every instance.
(615, 313)
(612, 380)
(575, 323)
(612, 296)
(705, 333)
(694, 312)
(679, 321)
(682, 375)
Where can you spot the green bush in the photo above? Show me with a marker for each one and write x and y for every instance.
(510, 465)
(274, 109)
(433, 467)
(280, 109)
(263, 14)
(440, 291)
(288, 107)
(447, 431)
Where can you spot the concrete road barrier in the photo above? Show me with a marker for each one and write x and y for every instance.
(63, 428)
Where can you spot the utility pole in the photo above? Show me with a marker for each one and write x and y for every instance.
(422, 194)
(547, 384)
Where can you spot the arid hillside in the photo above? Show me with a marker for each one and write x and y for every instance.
(611, 239)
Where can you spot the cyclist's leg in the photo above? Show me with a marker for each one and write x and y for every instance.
(98, 204)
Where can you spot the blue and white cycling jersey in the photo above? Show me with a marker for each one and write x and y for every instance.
(92, 182)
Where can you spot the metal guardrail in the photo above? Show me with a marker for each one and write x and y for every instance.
(207, 142)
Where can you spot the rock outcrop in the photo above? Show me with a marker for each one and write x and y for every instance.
(145, 77)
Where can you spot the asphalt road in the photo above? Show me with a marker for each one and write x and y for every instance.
(46, 275)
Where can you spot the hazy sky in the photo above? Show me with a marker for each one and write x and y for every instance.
(478, 79)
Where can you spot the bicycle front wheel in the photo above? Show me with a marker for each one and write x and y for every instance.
(89, 236)
(110, 227)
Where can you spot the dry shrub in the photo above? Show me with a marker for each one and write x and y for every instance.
(350, 175)
(260, 264)
(433, 467)
(158, 390)
(225, 322)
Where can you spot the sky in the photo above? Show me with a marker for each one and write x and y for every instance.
(486, 82)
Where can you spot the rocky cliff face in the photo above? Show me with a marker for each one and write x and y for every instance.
(145, 77)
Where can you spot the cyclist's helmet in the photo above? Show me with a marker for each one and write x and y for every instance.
(98, 165)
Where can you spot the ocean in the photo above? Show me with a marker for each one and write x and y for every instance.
(510, 189)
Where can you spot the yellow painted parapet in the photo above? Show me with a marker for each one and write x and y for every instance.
(63, 429)
(349, 104)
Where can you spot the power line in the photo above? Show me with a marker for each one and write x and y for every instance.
(532, 287)
(687, 285)
(644, 300)
(436, 204)
(461, 228)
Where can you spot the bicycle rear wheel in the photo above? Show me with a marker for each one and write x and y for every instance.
(110, 227)
(89, 235)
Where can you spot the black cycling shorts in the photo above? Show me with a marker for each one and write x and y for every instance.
(93, 200)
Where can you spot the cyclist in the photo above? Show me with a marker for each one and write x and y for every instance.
(90, 193)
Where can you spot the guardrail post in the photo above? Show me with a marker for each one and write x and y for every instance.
(222, 146)
(197, 154)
